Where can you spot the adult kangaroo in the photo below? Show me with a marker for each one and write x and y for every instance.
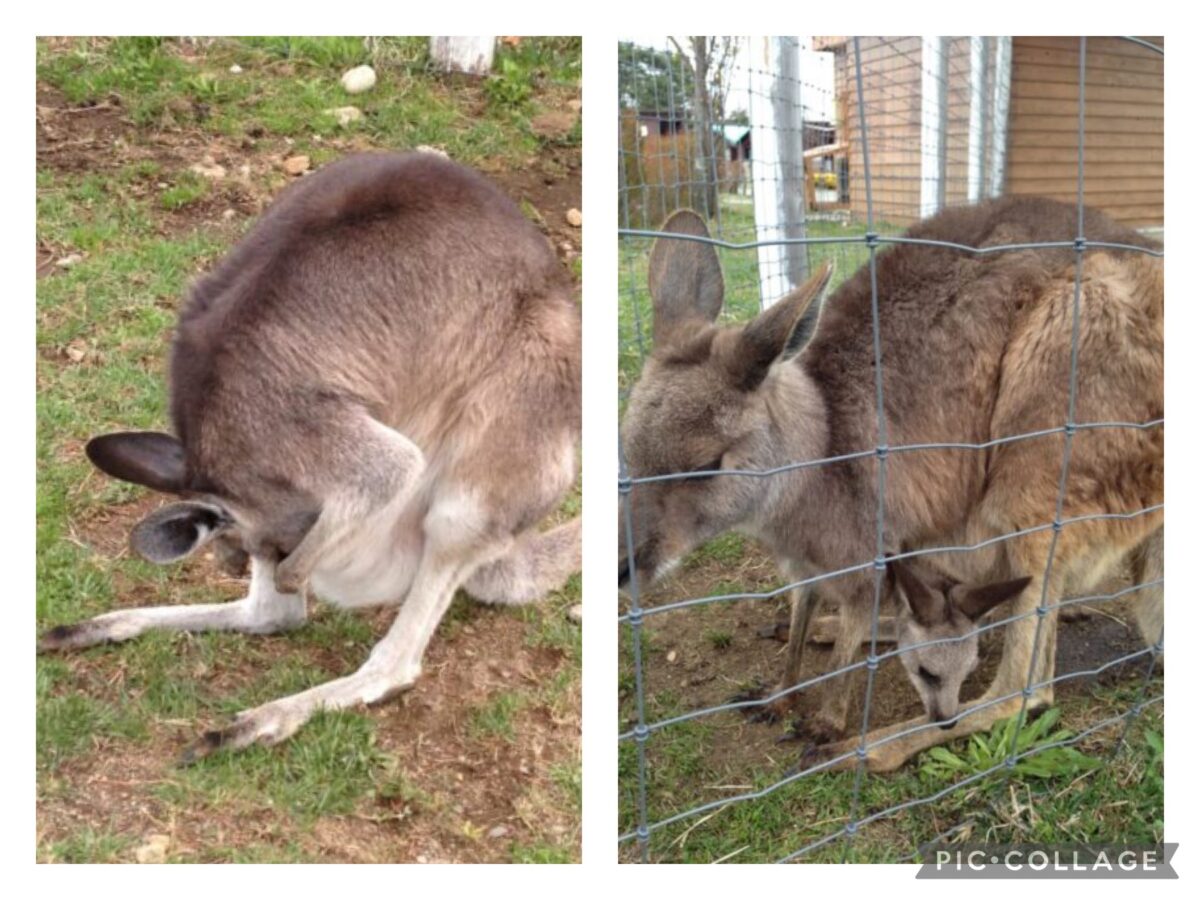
(376, 396)
(974, 347)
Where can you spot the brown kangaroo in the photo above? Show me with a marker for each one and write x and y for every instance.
(375, 396)
(974, 347)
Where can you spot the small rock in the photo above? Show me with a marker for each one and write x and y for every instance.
(436, 151)
(575, 613)
(229, 214)
(154, 850)
(345, 114)
(208, 169)
(235, 69)
(296, 165)
(422, 858)
(243, 172)
(358, 79)
(77, 350)
(574, 218)
(67, 261)
(575, 105)
(672, 656)
(498, 832)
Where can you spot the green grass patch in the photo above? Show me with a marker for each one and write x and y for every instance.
(88, 845)
(1083, 796)
(187, 189)
(496, 718)
(323, 770)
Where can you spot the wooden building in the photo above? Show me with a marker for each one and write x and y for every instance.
(952, 120)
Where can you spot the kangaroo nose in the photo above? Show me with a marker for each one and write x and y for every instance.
(948, 724)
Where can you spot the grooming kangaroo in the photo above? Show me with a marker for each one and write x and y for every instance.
(375, 396)
(974, 347)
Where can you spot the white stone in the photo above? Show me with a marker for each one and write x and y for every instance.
(154, 850)
(235, 69)
(346, 114)
(208, 169)
(359, 79)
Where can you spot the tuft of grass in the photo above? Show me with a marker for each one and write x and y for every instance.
(495, 719)
(187, 189)
(541, 853)
(88, 845)
(397, 791)
(718, 639)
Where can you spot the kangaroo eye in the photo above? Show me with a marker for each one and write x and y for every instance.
(929, 676)
(709, 467)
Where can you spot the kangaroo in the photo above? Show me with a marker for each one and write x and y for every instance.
(973, 348)
(376, 398)
(942, 610)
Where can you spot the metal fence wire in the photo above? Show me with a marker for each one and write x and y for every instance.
(791, 165)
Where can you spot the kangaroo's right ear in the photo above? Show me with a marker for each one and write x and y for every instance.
(148, 458)
(177, 530)
(685, 276)
(927, 605)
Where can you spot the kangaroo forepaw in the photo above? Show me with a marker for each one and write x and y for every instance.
(762, 713)
(817, 730)
(754, 691)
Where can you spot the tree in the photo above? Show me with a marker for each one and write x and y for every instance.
(653, 80)
(709, 60)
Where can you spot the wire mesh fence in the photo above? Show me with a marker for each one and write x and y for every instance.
(796, 152)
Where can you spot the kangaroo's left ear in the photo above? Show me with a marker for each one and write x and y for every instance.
(927, 606)
(177, 530)
(977, 601)
(781, 330)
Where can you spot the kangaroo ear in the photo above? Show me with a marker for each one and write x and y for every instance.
(177, 530)
(779, 331)
(976, 602)
(927, 605)
(685, 276)
(148, 458)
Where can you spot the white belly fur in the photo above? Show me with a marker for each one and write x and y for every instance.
(375, 563)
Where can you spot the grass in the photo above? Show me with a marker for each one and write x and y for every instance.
(139, 227)
(286, 84)
(1084, 797)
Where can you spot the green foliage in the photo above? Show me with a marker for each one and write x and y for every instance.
(653, 80)
(718, 639)
(496, 717)
(985, 751)
(187, 189)
(509, 86)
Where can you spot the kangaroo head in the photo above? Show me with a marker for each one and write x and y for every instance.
(242, 524)
(699, 406)
(933, 608)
